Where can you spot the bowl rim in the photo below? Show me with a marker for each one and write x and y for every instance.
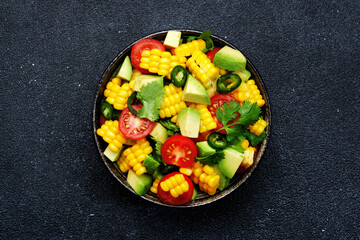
(199, 202)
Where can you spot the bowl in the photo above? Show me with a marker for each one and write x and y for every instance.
(201, 198)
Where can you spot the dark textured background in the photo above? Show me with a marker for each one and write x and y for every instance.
(54, 184)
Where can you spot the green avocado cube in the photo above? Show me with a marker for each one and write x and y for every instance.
(230, 59)
(189, 122)
(125, 71)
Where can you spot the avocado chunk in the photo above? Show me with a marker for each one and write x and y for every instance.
(204, 149)
(112, 156)
(140, 183)
(125, 71)
(172, 39)
(144, 79)
(195, 192)
(231, 162)
(159, 133)
(224, 181)
(244, 75)
(230, 59)
(195, 92)
(189, 122)
(150, 164)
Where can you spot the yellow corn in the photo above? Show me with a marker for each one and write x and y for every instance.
(258, 127)
(249, 91)
(222, 71)
(160, 62)
(172, 102)
(177, 185)
(202, 68)
(245, 143)
(117, 95)
(206, 177)
(154, 187)
(134, 156)
(186, 49)
(111, 134)
(207, 121)
(248, 157)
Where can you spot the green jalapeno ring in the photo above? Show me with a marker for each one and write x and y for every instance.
(106, 110)
(178, 76)
(129, 102)
(217, 140)
(228, 83)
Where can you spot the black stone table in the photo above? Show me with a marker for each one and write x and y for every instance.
(54, 184)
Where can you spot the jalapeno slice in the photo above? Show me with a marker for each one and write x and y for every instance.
(228, 83)
(106, 110)
(178, 76)
(217, 140)
(129, 102)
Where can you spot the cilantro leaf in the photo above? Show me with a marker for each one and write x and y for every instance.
(206, 36)
(151, 96)
(166, 123)
(212, 159)
(249, 112)
(228, 111)
(254, 139)
(234, 133)
(191, 38)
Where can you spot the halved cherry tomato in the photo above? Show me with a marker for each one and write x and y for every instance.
(134, 127)
(179, 150)
(216, 102)
(167, 198)
(139, 47)
(211, 54)
(102, 120)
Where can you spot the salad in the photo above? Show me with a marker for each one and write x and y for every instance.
(180, 116)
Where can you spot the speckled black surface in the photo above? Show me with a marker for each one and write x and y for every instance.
(54, 184)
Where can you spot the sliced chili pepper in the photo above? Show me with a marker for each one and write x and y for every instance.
(228, 83)
(106, 110)
(178, 76)
(217, 140)
(130, 101)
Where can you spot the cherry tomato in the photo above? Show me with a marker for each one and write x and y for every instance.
(216, 102)
(102, 120)
(179, 150)
(167, 198)
(134, 127)
(139, 47)
(211, 54)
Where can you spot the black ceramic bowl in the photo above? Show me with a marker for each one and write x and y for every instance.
(201, 198)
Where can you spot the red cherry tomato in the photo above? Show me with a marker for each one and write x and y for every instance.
(216, 102)
(211, 54)
(134, 127)
(139, 47)
(102, 120)
(179, 150)
(167, 198)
